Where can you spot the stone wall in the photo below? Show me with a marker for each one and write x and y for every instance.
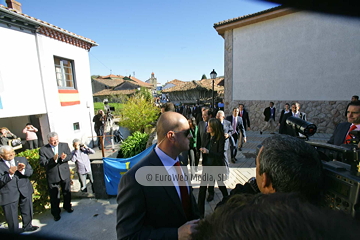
(324, 114)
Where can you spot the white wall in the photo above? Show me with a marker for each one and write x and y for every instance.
(29, 83)
(21, 91)
(61, 118)
(301, 56)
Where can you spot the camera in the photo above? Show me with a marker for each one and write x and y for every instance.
(341, 167)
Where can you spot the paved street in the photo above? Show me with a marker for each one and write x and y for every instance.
(96, 219)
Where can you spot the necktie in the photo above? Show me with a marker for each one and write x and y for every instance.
(349, 136)
(185, 197)
(241, 114)
(234, 124)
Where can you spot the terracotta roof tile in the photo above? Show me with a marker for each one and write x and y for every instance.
(204, 83)
(176, 82)
(107, 92)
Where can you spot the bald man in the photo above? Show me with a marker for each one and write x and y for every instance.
(158, 212)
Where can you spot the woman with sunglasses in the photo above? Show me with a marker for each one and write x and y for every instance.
(213, 155)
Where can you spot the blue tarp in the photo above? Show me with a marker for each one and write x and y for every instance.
(114, 168)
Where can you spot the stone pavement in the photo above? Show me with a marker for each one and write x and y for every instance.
(96, 218)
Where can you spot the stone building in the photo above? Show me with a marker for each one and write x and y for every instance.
(116, 85)
(286, 55)
(193, 91)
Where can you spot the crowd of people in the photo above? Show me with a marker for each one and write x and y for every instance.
(289, 177)
(287, 190)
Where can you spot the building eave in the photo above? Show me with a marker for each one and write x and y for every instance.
(223, 26)
(41, 25)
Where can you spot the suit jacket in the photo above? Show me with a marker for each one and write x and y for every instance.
(303, 116)
(55, 171)
(283, 126)
(245, 118)
(227, 129)
(239, 126)
(149, 212)
(267, 113)
(216, 152)
(339, 134)
(11, 188)
(202, 135)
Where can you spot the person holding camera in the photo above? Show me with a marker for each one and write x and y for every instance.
(99, 122)
(31, 136)
(5, 136)
(80, 155)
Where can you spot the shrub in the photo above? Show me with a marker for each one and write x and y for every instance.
(138, 113)
(38, 180)
(134, 144)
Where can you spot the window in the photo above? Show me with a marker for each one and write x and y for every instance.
(64, 73)
(76, 126)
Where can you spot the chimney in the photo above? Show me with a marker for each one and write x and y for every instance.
(14, 5)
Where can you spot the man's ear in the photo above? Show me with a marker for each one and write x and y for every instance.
(266, 184)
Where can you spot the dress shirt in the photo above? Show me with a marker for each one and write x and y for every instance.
(12, 163)
(168, 163)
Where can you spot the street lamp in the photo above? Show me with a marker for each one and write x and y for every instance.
(213, 75)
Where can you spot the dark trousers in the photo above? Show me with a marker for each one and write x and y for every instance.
(33, 144)
(233, 145)
(99, 132)
(54, 190)
(202, 195)
(11, 213)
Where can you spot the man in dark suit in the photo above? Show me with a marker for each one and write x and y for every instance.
(228, 130)
(202, 139)
(342, 131)
(54, 157)
(158, 211)
(15, 188)
(246, 121)
(269, 114)
(238, 128)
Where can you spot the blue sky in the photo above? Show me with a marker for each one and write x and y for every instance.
(172, 38)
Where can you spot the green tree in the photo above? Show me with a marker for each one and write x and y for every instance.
(145, 93)
(138, 113)
(203, 77)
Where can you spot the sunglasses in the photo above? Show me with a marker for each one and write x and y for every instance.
(186, 132)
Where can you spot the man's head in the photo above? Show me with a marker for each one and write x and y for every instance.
(220, 115)
(167, 107)
(271, 104)
(76, 143)
(53, 139)
(241, 107)
(287, 106)
(7, 153)
(206, 114)
(355, 98)
(173, 133)
(293, 107)
(275, 216)
(353, 112)
(235, 112)
(288, 164)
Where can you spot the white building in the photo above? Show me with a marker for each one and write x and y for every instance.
(44, 77)
(285, 55)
